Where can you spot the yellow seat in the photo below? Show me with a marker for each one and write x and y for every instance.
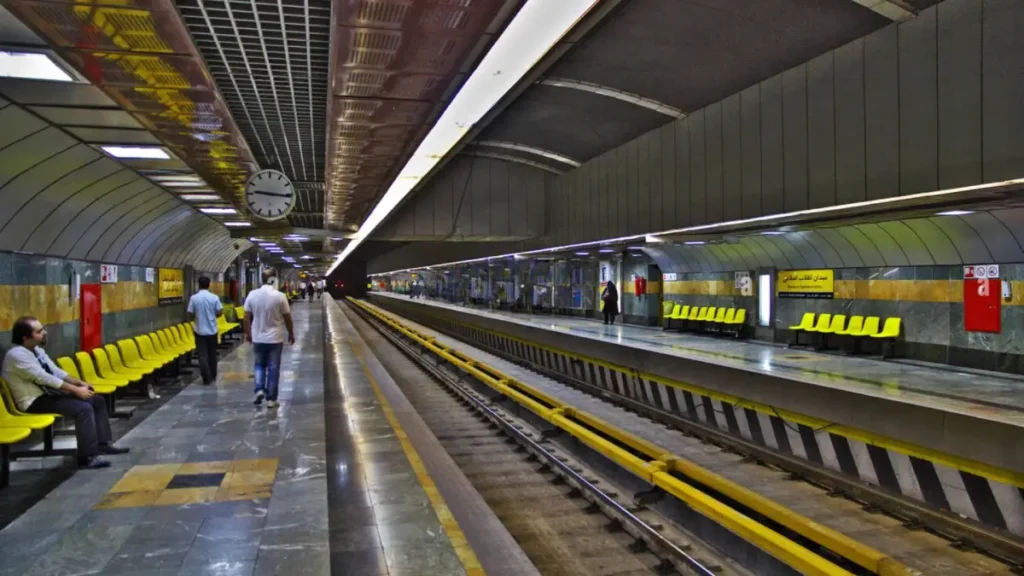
(88, 371)
(165, 345)
(161, 346)
(184, 330)
(729, 315)
(133, 358)
(853, 328)
(890, 330)
(719, 316)
(13, 435)
(12, 408)
(239, 314)
(66, 364)
(805, 323)
(667, 309)
(682, 313)
(821, 324)
(694, 313)
(10, 417)
(870, 326)
(175, 333)
(837, 324)
(106, 370)
(148, 351)
(739, 319)
(121, 366)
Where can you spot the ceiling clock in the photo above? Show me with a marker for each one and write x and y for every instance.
(269, 194)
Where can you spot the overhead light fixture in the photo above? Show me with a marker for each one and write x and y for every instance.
(772, 233)
(583, 253)
(200, 197)
(536, 28)
(635, 248)
(218, 211)
(955, 213)
(137, 152)
(166, 178)
(307, 257)
(237, 224)
(182, 184)
(694, 242)
(31, 66)
(606, 251)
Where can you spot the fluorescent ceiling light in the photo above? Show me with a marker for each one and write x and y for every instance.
(182, 184)
(536, 28)
(200, 197)
(694, 242)
(955, 213)
(218, 211)
(307, 257)
(176, 178)
(237, 224)
(31, 65)
(137, 152)
(606, 251)
(772, 233)
(583, 253)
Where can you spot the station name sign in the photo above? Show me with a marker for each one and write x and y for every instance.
(806, 284)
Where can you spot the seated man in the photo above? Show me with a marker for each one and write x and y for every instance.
(39, 386)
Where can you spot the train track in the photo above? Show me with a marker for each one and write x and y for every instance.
(916, 546)
(549, 502)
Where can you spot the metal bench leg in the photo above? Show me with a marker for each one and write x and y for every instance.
(5, 465)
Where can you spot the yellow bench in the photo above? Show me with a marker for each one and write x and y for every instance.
(12, 418)
(9, 436)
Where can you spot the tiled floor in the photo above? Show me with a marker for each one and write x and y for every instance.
(989, 397)
(214, 485)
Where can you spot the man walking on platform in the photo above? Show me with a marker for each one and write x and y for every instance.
(203, 309)
(267, 316)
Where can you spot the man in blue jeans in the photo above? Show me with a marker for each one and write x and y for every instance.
(267, 316)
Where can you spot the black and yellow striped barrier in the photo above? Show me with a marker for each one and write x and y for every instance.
(658, 465)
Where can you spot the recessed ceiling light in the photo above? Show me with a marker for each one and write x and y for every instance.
(694, 242)
(137, 152)
(200, 197)
(606, 251)
(218, 211)
(955, 213)
(307, 257)
(182, 184)
(772, 233)
(32, 66)
(583, 253)
(175, 178)
(237, 224)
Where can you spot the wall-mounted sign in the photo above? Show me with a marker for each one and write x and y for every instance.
(806, 284)
(669, 277)
(171, 286)
(981, 272)
(982, 306)
(108, 274)
(743, 283)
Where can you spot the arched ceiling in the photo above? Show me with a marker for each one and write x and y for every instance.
(982, 237)
(63, 197)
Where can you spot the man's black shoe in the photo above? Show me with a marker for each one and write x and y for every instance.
(111, 449)
(93, 463)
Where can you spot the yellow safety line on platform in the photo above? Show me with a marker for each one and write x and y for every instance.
(662, 462)
(975, 467)
(467, 557)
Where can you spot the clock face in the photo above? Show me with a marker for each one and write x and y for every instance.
(269, 194)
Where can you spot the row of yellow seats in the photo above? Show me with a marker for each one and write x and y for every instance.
(859, 325)
(710, 314)
(115, 367)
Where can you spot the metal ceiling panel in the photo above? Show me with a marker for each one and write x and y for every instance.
(865, 246)
(76, 116)
(939, 244)
(848, 255)
(394, 63)
(968, 243)
(997, 237)
(61, 218)
(86, 225)
(139, 50)
(17, 124)
(30, 92)
(888, 248)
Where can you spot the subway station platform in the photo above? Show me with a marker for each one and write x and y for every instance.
(933, 434)
(326, 483)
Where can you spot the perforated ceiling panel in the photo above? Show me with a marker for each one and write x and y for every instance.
(270, 60)
(396, 63)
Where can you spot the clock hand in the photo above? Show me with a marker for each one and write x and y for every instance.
(258, 193)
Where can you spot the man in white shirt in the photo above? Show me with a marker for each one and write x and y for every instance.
(267, 316)
(39, 386)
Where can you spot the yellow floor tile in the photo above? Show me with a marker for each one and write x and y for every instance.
(205, 467)
(179, 496)
(255, 465)
(249, 478)
(227, 493)
(143, 478)
(129, 499)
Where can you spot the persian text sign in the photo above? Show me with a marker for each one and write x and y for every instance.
(171, 286)
(806, 284)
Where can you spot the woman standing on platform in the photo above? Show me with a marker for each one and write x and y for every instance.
(610, 298)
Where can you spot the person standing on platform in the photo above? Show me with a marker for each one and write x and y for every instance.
(302, 290)
(267, 316)
(204, 308)
(38, 386)
(320, 289)
(610, 298)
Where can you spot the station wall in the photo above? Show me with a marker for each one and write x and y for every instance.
(40, 286)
